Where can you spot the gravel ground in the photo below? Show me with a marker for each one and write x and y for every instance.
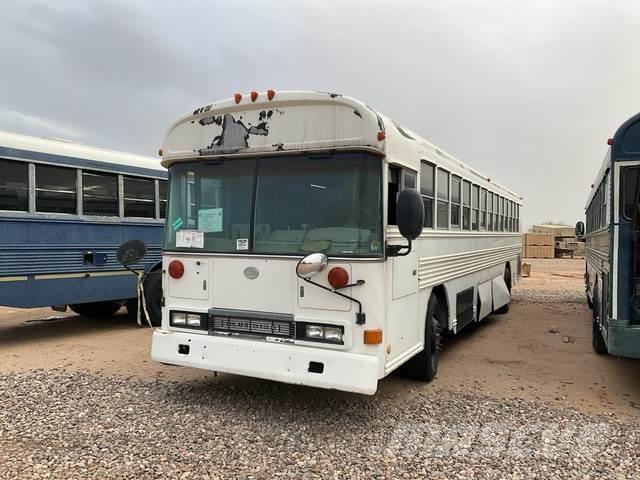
(552, 281)
(57, 424)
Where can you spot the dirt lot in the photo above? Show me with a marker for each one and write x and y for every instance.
(506, 356)
(518, 396)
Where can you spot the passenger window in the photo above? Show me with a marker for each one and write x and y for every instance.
(99, 194)
(456, 186)
(393, 188)
(162, 195)
(483, 209)
(56, 189)
(466, 205)
(138, 197)
(427, 190)
(476, 207)
(443, 199)
(14, 186)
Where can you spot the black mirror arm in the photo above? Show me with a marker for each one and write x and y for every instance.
(361, 318)
(395, 250)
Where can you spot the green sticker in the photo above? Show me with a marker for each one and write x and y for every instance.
(177, 223)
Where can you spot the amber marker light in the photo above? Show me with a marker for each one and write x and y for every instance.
(373, 337)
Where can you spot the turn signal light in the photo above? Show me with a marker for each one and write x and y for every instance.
(238, 97)
(338, 277)
(254, 95)
(176, 269)
(373, 337)
(271, 94)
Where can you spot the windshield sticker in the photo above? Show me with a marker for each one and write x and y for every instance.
(210, 220)
(189, 239)
(177, 223)
(242, 244)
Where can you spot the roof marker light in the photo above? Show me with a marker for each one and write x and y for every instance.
(254, 95)
(159, 152)
(381, 136)
(610, 141)
(238, 97)
(271, 94)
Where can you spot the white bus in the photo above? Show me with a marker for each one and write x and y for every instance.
(284, 258)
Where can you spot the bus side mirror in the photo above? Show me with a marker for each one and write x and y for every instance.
(310, 265)
(410, 214)
(131, 252)
(579, 229)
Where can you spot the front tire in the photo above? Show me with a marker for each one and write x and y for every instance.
(153, 299)
(424, 365)
(96, 309)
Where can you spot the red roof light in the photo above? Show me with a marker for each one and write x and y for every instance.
(254, 95)
(238, 97)
(610, 141)
(271, 94)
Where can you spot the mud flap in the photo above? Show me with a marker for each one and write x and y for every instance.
(500, 292)
(486, 301)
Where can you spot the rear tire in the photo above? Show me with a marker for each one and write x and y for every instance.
(597, 340)
(424, 365)
(96, 309)
(507, 280)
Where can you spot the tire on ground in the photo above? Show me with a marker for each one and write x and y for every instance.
(96, 309)
(153, 299)
(597, 340)
(424, 365)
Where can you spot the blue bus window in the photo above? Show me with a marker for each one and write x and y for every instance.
(100, 194)
(162, 195)
(55, 189)
(14, 186)
(139, 197)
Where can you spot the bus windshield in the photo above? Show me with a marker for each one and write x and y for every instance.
(291, 205)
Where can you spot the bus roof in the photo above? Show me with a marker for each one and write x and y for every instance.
(295, 121)
(56, 147)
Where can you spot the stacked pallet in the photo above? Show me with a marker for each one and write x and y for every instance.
(565, 239)
(538, 245)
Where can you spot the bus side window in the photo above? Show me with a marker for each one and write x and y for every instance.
(427, 190)
(56, 189)
(162, 197)
(14, 186)
(99, 194)
(139, 197)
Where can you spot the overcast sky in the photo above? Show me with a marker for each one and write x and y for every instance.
(525, 91)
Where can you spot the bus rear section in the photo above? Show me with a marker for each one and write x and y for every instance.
(614, 272)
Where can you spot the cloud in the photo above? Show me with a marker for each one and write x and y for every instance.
(19, 122)
(526, 92)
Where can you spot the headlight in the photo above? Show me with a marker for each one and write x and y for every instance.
(320, 333)
(188, 320)
(193, 319)
(314, 331)
(332, 334)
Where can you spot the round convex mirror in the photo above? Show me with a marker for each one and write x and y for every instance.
(311, 265)
(131, 252)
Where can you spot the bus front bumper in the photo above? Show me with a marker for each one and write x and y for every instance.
(287, 363)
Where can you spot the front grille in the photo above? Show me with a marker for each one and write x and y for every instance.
(250, 323)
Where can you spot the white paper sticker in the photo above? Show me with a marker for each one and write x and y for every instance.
(210, 220)
(189, 239)
(242, 244)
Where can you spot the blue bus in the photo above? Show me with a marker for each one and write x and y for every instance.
(64, 210)
(612, 252)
